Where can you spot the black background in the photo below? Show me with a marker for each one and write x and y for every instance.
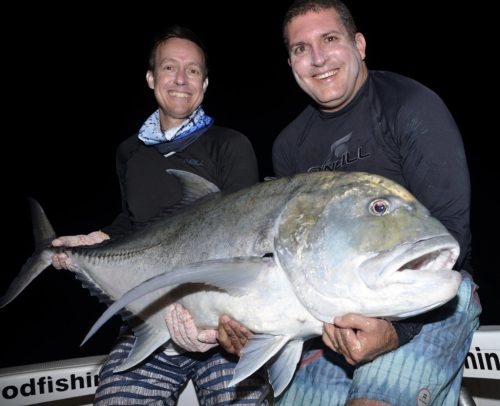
(73, 88)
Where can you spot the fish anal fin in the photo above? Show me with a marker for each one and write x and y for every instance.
(148, 338)
(259, 349)
(282, 367)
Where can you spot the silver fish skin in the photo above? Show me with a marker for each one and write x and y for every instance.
(282, 257)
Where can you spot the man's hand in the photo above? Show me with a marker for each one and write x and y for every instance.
(232, 335)
(61, 260)
(359, 338)
(184, 332)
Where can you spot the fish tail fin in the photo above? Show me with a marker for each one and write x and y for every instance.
(43, 234)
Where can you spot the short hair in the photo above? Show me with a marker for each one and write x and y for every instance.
(177, 31)
(301, 7)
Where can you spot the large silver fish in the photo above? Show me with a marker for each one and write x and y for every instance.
(281, 257)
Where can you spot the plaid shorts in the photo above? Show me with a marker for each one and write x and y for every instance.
(160, 378)
(425, 371)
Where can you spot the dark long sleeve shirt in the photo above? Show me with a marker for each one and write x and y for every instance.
(221, 155)
(397, 128)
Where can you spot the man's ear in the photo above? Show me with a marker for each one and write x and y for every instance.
(150, 79)
(205, 85)
(360, 44)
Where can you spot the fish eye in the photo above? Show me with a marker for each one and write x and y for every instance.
(379, 207)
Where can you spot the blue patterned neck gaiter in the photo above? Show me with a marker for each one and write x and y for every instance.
(177, 138)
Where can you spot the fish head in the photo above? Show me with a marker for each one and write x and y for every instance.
(362, 243)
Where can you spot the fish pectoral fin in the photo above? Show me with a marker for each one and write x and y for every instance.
(235, 275)
(147, 339)
(259, 349)
(283, 365)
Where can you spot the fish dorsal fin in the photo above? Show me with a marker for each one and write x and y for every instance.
(148, 338)
(259, 349)
(234, 275)
(194, 188)
(282, 367)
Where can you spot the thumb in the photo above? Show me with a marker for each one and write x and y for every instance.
(349, 320)
(208, 336)
(354, 321)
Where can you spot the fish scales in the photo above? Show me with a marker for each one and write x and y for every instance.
(282, 257)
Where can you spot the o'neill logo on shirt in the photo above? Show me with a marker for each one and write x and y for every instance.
(340, 156)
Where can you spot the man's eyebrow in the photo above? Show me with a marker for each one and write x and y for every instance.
(167, 59)
(326, 34)
(333, 32)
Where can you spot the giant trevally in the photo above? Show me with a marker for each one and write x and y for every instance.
(281, 257)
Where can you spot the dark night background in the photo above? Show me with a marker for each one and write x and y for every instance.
(73, 88)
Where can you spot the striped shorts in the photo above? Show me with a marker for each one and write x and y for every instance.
(160, 378)
(425, 371)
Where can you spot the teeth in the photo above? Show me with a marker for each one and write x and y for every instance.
(327, 74)
(178, 94)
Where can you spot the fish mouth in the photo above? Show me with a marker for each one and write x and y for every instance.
(433, 254)
(426, 258)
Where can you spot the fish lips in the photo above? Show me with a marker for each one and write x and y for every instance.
(433, 254)
(412, 279)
